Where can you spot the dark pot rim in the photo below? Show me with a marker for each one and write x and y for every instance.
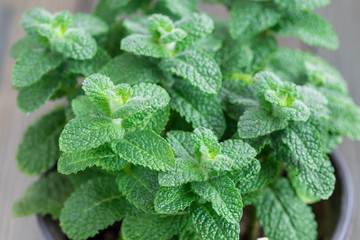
(345, 220)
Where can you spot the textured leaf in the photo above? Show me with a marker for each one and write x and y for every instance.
(225, 198)
(131, 69)
(206, 143)
(198, 108)
(235, 154)
(83, 133)
(90, 66)
(181, 144)
(93, 206)
(82, 106)
(282, 215)
(187, 170)
(39, 149)
(197, 26)
(182, 8)
(91, 24)
(315, 101)
(45, 196)
(104, 94)
(31, 20)
(257, 122)
(310, 28)
(145, 148)
(102, 157)
(246, 173)
(139, 185)
(32, 65)
(144, 45)
(308, 158)
(32, 97)
(153, 227)
(197, 67)
(211, 226)
(248, 19)
(76, 44)
(170, 200)
(23, 45)
(302, 4)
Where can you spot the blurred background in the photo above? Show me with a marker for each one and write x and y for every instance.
(343, 14)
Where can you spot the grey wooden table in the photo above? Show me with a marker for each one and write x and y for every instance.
(343, 14)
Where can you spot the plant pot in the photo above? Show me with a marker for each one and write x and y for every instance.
(334, 216)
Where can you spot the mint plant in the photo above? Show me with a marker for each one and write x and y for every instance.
(173, 122)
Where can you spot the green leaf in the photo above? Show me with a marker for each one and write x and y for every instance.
(23, 45)
(104, 94)
(302, 4)
(310, 28)
(197, 67)
(83, 133)
(145, 148)
(76, 44)
(145, 97)
(211, 226)
(197, 26)
(247, 172)
(153, 227)
(225, 198)
(257, 122)
(31, 20)
(248, 19)
(170, 200)
(139, 185)
(199, 108)
(89, 23)
(206, 143)
(131, 69)
(187, 170)
(308, 158)
(182, 8)
(39, 149)
(235, 154)
(33, 65)
(45, 196)
(93, 206)
(90, 66)
(282, 215)
(82, 106)
(315, 101)
(32, 97)
(102, 157)
(144, 45)
(181, 143)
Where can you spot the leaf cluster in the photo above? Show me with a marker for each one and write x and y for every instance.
(174, 121)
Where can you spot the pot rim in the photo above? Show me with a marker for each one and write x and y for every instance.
(344, 225)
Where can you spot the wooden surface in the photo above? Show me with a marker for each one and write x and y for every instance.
(343, 14)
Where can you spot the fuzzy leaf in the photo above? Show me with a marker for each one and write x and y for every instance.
(93, 206)
(76, 44)
(308, 158)
(82, 106)
(145, 148)
(225, 198)
(83, 133)
(102, 157)
(197, 26)
(257, 122)
(139, 185)
(31, 20)
(197, 67)
(23, 45)
(91, 24)
(32, 65)
(180, 9)
(310, 28)
(282, 215)
(131, 69)
(153, 227)
(170, 200)
(181, 143)
(45, 196)
(39, 149)
(211, 226)
(246, 173)
(248, 19)
(32, 97)
(198, 108)
(144, 45)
